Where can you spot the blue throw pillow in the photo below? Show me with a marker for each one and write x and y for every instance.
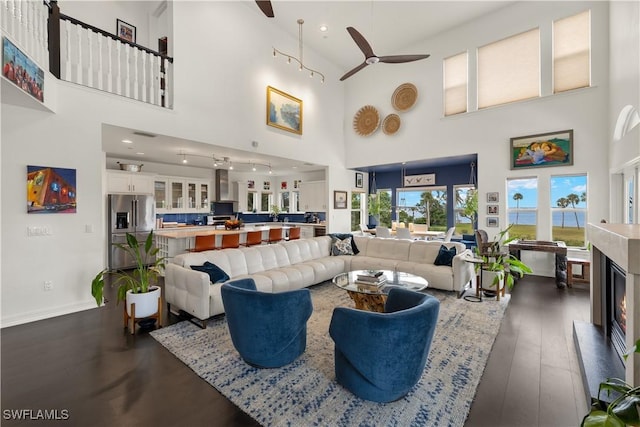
(342, 236)
(445, 256)
(216, 274)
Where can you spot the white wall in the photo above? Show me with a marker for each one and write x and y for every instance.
(425, 133)
(221, 75)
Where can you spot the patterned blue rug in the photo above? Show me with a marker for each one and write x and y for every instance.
(305, 392)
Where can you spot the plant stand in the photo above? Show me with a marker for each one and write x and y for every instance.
(130, 321)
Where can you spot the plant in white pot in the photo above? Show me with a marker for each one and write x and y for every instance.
(138, 286)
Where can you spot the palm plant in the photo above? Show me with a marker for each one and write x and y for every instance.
(517, 197)
(141, 279)
(573, 200)
(562, 202)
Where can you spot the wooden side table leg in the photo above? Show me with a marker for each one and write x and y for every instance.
(132, 319)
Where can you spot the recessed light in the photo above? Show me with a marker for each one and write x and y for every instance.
(294, 167)
(323, 28)
(140, 153)
(127, 141)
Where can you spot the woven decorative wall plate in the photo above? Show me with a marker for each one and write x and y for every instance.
(391, 124)
(404, 97)
(366, 120)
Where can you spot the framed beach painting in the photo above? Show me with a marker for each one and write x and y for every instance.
(542, 150)
(284, 111)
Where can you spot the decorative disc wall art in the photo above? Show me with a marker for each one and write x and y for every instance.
(391, 124)
(366, 120)
(404, 97)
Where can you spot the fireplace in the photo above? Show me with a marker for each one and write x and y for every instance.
(615, 308)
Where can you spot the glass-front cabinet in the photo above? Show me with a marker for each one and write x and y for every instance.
(181, 195)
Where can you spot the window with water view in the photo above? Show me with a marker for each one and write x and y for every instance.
(569, 209)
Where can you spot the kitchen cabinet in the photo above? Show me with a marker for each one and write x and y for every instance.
(181, 195)
(121, 182)
(313, 196)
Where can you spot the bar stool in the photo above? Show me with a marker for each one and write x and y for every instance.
(275, 235)
(230, 241)
(294, 233)
(204, 243)
(253, 238)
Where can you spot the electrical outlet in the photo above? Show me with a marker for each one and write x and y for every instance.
(48, 285)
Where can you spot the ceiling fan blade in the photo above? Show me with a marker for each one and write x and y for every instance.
(362, 43)
(352, 72)
(265, 7)
(397, 59)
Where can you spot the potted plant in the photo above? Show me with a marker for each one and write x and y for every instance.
(623, 410)
(138, 286)
(275, 211)
(500, 265)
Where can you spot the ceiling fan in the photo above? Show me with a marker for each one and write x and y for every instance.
(371, 58)
(265, 7)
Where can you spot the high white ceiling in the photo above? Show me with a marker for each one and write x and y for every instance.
(388, 26)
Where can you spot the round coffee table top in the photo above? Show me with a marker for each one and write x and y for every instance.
(349, 281)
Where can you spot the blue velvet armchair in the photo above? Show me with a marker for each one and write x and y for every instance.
(381, 356)
(268, 330)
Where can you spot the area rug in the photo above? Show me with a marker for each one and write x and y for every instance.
(305, 392)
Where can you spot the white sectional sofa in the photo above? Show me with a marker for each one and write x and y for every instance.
(305, 262)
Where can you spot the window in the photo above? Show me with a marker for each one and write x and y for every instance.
(380, 207)
(569, 209)
(408, 206)
(265, 202)
(509, 69)
(455, 84)
(295, 201)
(356, 210)
(251, 201)
(522, 207)
(433, 205)
(284, 201)
(465, 209)
(571, 52)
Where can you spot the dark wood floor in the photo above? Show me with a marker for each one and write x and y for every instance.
(84, 363)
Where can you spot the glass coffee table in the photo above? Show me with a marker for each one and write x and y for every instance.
(371, 297)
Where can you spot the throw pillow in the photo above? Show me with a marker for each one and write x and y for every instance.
(342, 247)
(342, 236)
(216, 274)
(445, 256)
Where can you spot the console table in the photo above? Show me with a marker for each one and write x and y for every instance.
(558, 248)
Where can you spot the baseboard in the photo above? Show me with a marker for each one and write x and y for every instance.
(45, 314)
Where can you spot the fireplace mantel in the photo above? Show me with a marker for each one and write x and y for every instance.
(621, 244)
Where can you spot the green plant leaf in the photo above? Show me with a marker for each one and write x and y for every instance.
(634, 349)
(97, 287)
(597, 418)
(627, 409)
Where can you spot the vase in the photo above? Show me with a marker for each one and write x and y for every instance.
(146, 303)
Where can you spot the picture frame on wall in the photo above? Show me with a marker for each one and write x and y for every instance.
(359, 180)
(51, 190)
(492, 221)
(125, 31)
(493, 210)
(340, 200)
(284, 111)
(493, 197)
(542, 150)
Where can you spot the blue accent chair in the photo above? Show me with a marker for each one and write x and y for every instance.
(268, 330)
(381, 356)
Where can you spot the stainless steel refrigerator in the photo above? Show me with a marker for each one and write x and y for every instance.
(128, 213)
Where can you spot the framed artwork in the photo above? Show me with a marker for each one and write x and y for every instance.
(493, 197)
(492, 221)
(251, 184)
(51, 190)
(340, 200)
(126, 31)
(359, 180)
(284, 111)
(266, 185)
(542, 150)
(296, 183)
(492, 210)
(22, 71)
(283, 185)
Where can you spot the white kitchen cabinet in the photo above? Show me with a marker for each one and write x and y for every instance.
(313, 196)
(182, 195)
(122, 182)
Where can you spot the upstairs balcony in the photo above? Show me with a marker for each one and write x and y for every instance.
(77, 52)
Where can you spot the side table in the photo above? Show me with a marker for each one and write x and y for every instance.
(130, 321)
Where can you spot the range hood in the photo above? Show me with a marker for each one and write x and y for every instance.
(223, 189)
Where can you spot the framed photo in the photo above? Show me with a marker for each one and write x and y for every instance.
(251, 184)
(493, 210)
(126, 31)
(492, 221)
(51, 190)
(359, 180)
(542, 150)
(283, 185)
(21, 70)
(493, 197)
(266, 185)
(340, 200)
(284, 111)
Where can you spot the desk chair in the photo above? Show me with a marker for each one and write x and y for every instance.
(253, 238)
(294, 233)
(275, 235)
(204, 243)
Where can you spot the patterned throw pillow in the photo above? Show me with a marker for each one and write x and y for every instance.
(342, 247)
